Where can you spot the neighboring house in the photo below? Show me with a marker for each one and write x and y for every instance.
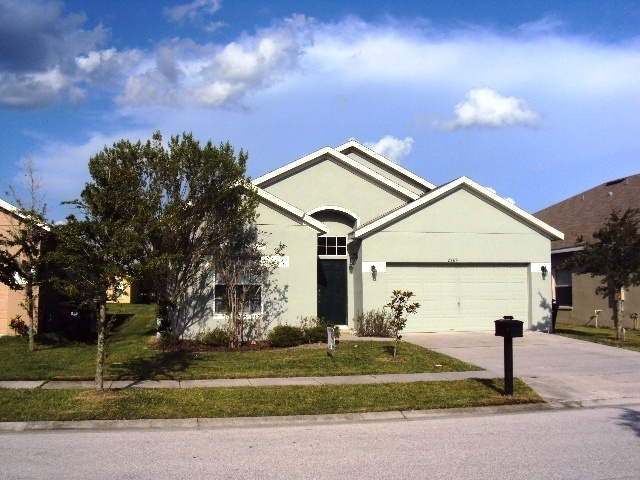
(130, 293)
(10, 300)
(583, 215)
(357, 226)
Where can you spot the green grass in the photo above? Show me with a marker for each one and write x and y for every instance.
(130, 358)
(603, 335)
(138, 403)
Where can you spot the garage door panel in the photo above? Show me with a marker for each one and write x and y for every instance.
(461, 297)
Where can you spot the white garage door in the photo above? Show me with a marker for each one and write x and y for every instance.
(461, 297)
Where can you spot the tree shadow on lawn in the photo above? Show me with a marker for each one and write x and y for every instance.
(168, 365)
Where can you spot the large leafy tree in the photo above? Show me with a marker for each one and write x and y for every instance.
(102, 245)
(614, 256)
(157, 214)
(21, 248)
(202, 198)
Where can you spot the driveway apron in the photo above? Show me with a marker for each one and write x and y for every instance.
(559, 369)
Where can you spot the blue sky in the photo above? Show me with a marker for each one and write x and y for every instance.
(537, 100)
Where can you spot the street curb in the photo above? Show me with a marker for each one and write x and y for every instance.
(248, 422)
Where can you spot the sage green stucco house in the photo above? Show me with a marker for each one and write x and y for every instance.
(357, 226)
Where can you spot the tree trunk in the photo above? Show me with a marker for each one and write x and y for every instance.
(617, 317)
(30, 313)
(102, 324)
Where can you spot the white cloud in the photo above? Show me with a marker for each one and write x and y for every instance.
(484, 107)
(212, 76)
(392, 148)
(192, 10)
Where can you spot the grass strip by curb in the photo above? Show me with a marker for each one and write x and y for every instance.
(131, 404)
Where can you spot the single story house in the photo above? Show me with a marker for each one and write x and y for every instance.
(583, 215)
(358, 226)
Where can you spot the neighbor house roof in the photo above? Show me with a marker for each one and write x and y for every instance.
(465, 183)
(585, 213)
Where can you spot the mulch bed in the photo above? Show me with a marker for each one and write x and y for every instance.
(195, 346)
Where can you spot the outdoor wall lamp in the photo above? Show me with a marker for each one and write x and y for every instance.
(353, 257)
(544, 271)
(374, 272)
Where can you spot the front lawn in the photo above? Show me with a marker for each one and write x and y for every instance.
(130, 358)
(603, 335)
(138, 403)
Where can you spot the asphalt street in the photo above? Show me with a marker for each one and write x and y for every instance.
(574, 443)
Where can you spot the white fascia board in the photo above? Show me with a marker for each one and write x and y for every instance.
(16, 211)
(317, 155)
(296, 212)
(8, 207)
(566, 250)
(386, 162)
(443, 190)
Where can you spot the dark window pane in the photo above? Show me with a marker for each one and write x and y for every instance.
(331, 241)
(563, 277)
(221, 300)
(342, 250)
(564, 296)
(342, 241)
(322, 241)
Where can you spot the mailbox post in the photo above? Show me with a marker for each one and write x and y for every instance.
(508, 328)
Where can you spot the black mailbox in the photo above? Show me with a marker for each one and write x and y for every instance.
(508, 327)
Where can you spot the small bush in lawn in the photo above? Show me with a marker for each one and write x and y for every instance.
(315, 329)
(374, 323)
(218, 337)
(317, 334)
(17, 325)
(285, 336)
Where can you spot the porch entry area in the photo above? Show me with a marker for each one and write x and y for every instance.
(332, 291)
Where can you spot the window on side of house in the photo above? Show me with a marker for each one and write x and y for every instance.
(332, 246)
(564, 288)
(252, 296)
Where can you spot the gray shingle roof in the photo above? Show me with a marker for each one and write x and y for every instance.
(585, 213)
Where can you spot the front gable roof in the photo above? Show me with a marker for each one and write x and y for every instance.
(293, 211)
(461, 183)
(293, 167)
(385, 162)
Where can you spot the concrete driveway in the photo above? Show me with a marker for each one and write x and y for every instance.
(559, 369)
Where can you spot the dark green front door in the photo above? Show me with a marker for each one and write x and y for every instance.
(332, 291)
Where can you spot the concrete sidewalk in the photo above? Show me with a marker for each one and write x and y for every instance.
(249, 382)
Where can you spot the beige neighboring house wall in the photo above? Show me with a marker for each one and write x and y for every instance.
(357, 226)
(128, 295)
(9, 299)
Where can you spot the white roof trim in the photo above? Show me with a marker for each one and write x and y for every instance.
(458, 183)
(567, 250)
(8, 207)
(16, 211)
(341, 158)
(296, 212)
(386, 162)
(338, 209)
